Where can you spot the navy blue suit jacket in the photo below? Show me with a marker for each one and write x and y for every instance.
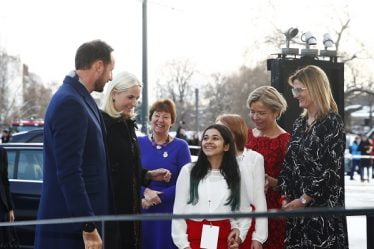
(76, 179)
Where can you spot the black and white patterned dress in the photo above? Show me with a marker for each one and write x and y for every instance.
(313, 165)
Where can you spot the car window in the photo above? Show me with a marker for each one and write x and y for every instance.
(33, 136)
(38, 138)
(11, 163)
(30, 165)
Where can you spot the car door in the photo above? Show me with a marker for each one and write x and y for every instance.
(25, 176)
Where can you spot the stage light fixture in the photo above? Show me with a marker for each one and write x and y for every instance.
(327, 43)
(290, 33)
(309, 40)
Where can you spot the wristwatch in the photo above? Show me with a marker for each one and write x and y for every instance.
(89, 227)
(303, 200)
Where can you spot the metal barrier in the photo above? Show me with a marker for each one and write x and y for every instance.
(350, 156)
(308, 212)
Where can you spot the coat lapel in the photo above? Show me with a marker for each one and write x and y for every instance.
(92, 105)
(89, 101)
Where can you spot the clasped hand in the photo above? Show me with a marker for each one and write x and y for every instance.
(234, 240)
(151, 198)
(92, 240)
(292, 205)
(160, 174)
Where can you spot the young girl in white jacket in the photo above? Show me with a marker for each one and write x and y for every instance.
(211, 185)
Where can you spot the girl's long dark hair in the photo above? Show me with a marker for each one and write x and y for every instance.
(229, 169)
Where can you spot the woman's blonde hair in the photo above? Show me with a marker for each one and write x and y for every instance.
(121, 83)
(318, 85)
(238, 128)
(270, 97)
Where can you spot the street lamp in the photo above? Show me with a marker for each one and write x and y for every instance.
(197, 110)
(144, 70)
(196, 79)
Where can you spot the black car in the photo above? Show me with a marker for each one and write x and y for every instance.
(32, 136)
(25, 171)
(36, 136)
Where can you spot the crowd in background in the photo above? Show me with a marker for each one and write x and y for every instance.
(362, 160)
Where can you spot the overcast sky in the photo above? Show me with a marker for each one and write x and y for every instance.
(218, 36)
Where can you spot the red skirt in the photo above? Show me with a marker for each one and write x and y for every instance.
(194, 230)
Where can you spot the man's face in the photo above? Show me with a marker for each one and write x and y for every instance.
(105, 76)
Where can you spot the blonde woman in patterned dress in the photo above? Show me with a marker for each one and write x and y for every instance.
(312, 171)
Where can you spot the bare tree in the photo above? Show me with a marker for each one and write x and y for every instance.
(217, 98)
(358, 89)
(339, 33)
(245, 82)
(228, 94)
(8, 90)
(177, 83)
(35, 97)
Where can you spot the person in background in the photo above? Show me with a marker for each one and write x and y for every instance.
(365, 148)
(371, 140)
(127, 174)
(181, 133)
(313, 168)
(251, 165)
(266, 105)
(75, 168)
(211, 185)
(5, 136)
(194, 139)
(356, 162)
(6, 201)
(159, 149)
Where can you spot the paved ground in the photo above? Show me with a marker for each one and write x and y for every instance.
(358, 195)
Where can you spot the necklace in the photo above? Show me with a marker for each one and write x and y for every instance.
(160, 146)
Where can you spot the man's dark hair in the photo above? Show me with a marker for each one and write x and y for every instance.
(92, 51)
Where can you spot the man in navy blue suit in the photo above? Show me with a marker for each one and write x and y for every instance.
(76, 180)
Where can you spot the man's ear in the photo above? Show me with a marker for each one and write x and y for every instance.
(98, 66)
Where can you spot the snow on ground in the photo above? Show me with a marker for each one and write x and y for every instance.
(358, 195)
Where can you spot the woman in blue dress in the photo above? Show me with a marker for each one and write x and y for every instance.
(159, 149)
